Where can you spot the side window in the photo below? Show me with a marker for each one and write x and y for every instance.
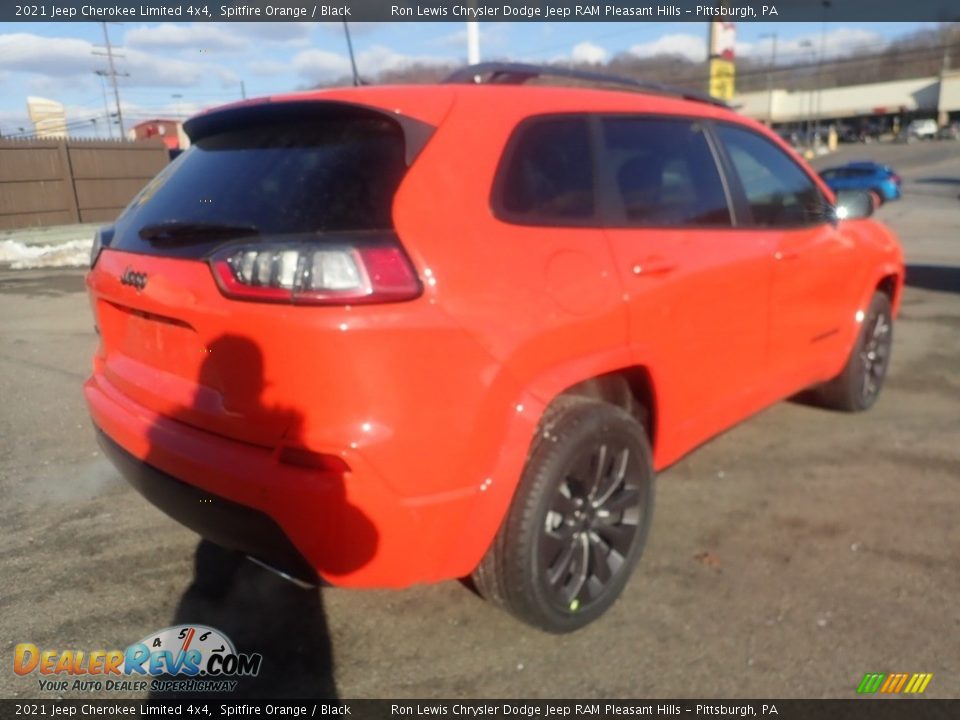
(780, 194)
(548, 176)
(664, 173)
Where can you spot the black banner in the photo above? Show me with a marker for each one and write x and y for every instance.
(856, 709)
(481, 10)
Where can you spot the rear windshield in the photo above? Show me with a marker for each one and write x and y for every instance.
(292, 177)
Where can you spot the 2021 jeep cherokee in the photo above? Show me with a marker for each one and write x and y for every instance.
(388, 335)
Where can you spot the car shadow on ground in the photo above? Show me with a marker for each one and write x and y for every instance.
(943, 278)
(261, 613)
(939, 180)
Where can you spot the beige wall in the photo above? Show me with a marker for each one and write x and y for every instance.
(950, 92)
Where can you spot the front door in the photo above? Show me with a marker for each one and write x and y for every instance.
(815, 265)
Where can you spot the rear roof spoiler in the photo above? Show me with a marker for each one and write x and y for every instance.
(416, 132)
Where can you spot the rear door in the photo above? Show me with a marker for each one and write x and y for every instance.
(814, 262)
(696, 285)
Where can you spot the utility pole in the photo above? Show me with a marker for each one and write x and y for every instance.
(112, 72)
(243, 90)
(106, 106)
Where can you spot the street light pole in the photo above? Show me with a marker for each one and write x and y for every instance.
(773, 65)
(823, 46)
(806, 44)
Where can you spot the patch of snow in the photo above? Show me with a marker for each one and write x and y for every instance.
(73, 253)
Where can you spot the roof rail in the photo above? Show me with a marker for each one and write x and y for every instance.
(506, 73)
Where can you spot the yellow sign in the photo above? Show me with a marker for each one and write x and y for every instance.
(722, 74)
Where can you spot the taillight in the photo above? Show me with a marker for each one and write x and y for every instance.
(316, 273)
(896, 178)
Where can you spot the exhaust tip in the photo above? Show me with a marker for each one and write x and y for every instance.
(300, 583)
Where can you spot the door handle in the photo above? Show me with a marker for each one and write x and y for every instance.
(653, 266)
(786, 254)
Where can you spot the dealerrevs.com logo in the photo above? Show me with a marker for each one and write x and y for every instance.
(182, 658)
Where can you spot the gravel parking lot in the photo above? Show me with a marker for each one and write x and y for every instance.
(788, 557)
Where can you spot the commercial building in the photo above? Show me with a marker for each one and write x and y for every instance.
(894, 103)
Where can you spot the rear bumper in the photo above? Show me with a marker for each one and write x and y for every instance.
(343, 528)
(226, 523)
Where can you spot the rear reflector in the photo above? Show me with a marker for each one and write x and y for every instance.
(301, 457)
(316, 273)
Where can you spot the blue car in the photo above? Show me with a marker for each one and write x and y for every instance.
(880, 181)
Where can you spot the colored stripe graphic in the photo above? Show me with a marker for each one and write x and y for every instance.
(870, 683)
(918, 683)
(894, 683)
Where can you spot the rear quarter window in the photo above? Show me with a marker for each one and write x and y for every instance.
(546, 174)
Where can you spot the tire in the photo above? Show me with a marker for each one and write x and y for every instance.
(856, 388)
(578, 521)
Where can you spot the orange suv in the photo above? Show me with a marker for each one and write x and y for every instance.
(379, 336)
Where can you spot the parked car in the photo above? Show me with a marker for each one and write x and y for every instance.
(880, 181)
(925, 129)
(379, 336)
(851, 134)
(874, 130)
(950, 132)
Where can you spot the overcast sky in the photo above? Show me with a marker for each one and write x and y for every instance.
(204, 63)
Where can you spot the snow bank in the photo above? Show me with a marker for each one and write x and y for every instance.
(73, 253)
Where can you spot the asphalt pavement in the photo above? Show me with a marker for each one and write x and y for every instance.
(788, 557)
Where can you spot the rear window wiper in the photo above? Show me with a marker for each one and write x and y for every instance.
(180, 232)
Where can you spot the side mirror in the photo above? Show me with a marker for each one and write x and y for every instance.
(853, 205)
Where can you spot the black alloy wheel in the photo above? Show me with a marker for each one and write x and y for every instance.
(591, 525)
(857, 387)
(578, 521)
(875, 355)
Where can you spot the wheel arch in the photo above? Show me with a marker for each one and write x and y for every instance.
(631, 388)
(888, 280)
